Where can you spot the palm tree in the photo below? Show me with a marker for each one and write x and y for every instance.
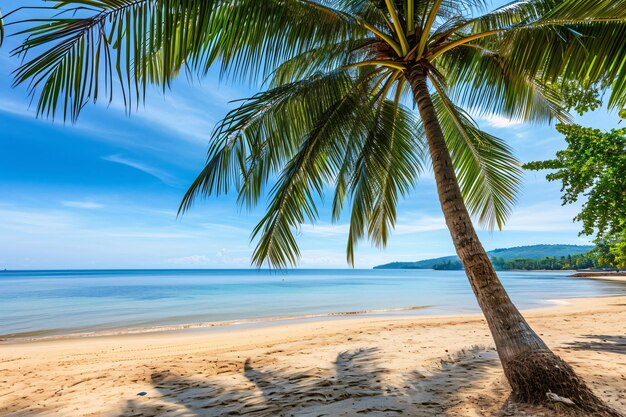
(1, 28)
(340, 77)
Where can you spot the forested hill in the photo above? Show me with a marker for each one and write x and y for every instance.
(520, 252)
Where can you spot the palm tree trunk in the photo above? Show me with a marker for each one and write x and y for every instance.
(530, 367)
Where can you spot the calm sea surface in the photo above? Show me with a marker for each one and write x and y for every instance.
(59, 302)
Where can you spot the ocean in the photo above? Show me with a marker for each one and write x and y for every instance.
(48, 303)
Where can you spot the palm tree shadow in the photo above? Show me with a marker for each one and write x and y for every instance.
(358, 385)
(600, 343)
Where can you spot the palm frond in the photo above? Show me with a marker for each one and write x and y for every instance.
(552, 40)
(577, 10)
(87, 49)
(486, 83)
(1, 28)
(590, 53)
(271, 32)
(488, 173)
(254, 140)
(324, 58)
(386, 168)
(401, 166)
(315, 165)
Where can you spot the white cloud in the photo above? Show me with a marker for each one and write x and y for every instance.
(221, 94)
(165, 177)
(34, 222)
(222, 253)
(143, 235)
(188, 260)
(63, 225)
(55, 238)
(314, 258)
(324, 229)
(500, 122)
(405, 225)
(419, 223)
(16, 108)
(87, 205)
(22, 109)
(226, 229)
(189, 122)
(544, 218)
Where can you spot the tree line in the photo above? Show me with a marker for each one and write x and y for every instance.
(595, 259)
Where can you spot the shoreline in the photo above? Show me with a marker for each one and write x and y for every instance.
(122, 329)
(208, 325)
(275, 321)
(605, 276)
(412, 365)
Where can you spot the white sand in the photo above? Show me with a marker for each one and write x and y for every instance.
(396, 366)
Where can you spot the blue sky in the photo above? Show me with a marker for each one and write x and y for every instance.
(104, 193)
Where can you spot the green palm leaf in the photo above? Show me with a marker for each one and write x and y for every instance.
(386, 168)
(254, 140)
(1, 28)
(93, 48)
(489, 84)
(324, 58)
(316, 164)
(574, 52)
(488, 173)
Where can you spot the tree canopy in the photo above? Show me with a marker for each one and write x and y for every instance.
(594, 166)
(335, 106)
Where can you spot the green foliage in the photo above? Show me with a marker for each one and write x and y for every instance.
(540, 251)
(580, 261)
(611, 250)
(487, 171)
(603, 252)
(448, 266)
(336, 75)
(594, 166)
(505, 254)
(618, 250)
(88, 49)
(588, 260)
(580, 97)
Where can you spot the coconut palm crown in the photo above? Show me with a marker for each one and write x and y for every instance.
(334, 111)
(339, 80)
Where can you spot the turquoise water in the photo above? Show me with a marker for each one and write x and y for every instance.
(59, 302)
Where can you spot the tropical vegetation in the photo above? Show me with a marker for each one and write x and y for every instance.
(340, 79)
(549, 263)
(593, 168)
(519, 252)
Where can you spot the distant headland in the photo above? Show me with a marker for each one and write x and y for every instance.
(556, 256)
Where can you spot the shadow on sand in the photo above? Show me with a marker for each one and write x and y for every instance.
(600, 343)
(358, 386)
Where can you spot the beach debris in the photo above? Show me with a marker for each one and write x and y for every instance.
(557, 398)
(142, 393)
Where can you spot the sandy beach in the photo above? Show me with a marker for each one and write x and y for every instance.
(411, 366)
